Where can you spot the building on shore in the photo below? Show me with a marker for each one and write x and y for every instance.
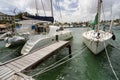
(5, 17)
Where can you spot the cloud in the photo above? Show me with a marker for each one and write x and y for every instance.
(72, 10)
(86, 10)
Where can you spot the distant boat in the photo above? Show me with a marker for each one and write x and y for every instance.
(95, 39)
(116, 27)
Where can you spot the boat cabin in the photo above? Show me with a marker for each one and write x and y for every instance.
(32, 27)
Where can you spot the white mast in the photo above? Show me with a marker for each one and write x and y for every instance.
(112, 20)
(51, 8)
(36, 8)
(99, 13)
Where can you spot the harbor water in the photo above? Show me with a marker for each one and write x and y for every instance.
(84, 65)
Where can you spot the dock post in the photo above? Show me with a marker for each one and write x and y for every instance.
(69, 47)
(57, 38)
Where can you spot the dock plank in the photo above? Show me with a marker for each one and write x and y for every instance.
(7, 73)
(16, 69)
(20, 63)
(29, 59)
(17, 65)
(4, 71)
(2, 67)
(8, 77)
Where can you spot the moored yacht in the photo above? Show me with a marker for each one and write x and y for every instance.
(41, 34)
(96, 40)
(38, 32)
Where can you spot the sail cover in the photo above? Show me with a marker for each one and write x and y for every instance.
(41, 5)
(95, 21)
(42, 18)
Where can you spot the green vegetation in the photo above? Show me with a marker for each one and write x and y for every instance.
(19, 16)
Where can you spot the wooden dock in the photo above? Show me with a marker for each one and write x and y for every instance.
(10, 68)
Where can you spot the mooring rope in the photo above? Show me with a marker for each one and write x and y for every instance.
(50, 65)
(110, 63)
(48, 68)
(114, 45)
(55, 62)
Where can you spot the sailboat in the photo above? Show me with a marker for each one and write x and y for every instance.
(95, 39)
(39, 33)
(41, 25)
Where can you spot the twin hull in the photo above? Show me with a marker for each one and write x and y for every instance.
(41, 42)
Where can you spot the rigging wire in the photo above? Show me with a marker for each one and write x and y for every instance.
(110, 62)
(51, 1)
(112, 20)
(103, 12)
(48, 69)
(60, 11)
(43, 7)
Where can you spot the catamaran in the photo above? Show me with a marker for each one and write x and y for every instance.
(38, 32)
(95, 39)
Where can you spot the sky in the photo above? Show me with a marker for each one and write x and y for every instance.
(64, 10)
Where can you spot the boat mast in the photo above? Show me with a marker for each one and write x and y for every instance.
(51, 8)
(36, 8)
(119, 19)
(112, 20)
(99, 13)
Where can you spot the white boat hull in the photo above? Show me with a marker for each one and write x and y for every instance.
(96, 45)
(32, 45)
(14, 41)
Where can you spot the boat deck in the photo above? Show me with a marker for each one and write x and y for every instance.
(92, 35)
